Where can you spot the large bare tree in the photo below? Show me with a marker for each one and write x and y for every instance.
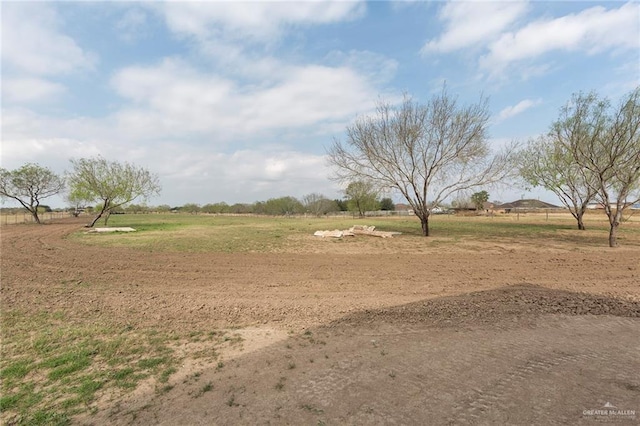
(610, 151)
(111, 183)
(28, 185)
(427, 152)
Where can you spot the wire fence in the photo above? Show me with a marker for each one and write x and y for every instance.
(18, 218)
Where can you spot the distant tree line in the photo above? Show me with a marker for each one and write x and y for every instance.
(311, 204)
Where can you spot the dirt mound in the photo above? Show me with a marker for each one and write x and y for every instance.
(503, 303)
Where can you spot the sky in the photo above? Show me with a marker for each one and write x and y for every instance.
(238, 102)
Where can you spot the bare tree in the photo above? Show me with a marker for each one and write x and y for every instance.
(611, 153)
(426, 152)
(549, 162)
(111, 183)
(28, 185)
(318, 204)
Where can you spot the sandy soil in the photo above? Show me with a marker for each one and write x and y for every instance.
(512, 334)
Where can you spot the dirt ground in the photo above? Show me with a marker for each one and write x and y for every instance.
(510, 334)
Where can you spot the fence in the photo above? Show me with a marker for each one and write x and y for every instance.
(12, 219)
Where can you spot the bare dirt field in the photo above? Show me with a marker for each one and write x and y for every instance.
(489, 333)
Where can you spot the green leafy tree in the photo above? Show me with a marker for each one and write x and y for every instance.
(240, 208)
(341, 204)
(28, 185)
(283, 206)
(361, 197)
(216, 208)
(479, 198)
(387, 204)
(424, 151)
(110, 183)
(190, 208)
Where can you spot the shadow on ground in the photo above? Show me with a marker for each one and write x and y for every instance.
(521, 354)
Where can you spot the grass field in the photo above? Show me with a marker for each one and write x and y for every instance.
(231, 234)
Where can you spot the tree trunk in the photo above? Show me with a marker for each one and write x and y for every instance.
(612, 235)
(614, 222)
(424, 221)
(95, 219)
(31, 209)
(34, 213)
(613, 230)
(580, 222)
(103, 210)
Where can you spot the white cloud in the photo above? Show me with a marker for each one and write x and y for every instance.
(260, 21)
(470, 23)
(48, 150)
(177, 119)
(33, 43)
(30, 90)
(593, 30)
(173, 98)
(518, 108)
(31, 137)
(242, 176)
(188, 173)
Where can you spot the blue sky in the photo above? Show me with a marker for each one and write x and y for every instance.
(236, 102)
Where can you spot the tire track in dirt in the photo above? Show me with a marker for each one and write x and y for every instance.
(511, 362)
(496, 397)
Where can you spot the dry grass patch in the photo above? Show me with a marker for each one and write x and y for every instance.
(232, 234)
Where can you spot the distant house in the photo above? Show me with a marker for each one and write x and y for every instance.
(600, 206)
(524, 205)
(488, 206)
(404, 208)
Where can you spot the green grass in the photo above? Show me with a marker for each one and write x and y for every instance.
(52, 369)
(232, 234)
(203, 233)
